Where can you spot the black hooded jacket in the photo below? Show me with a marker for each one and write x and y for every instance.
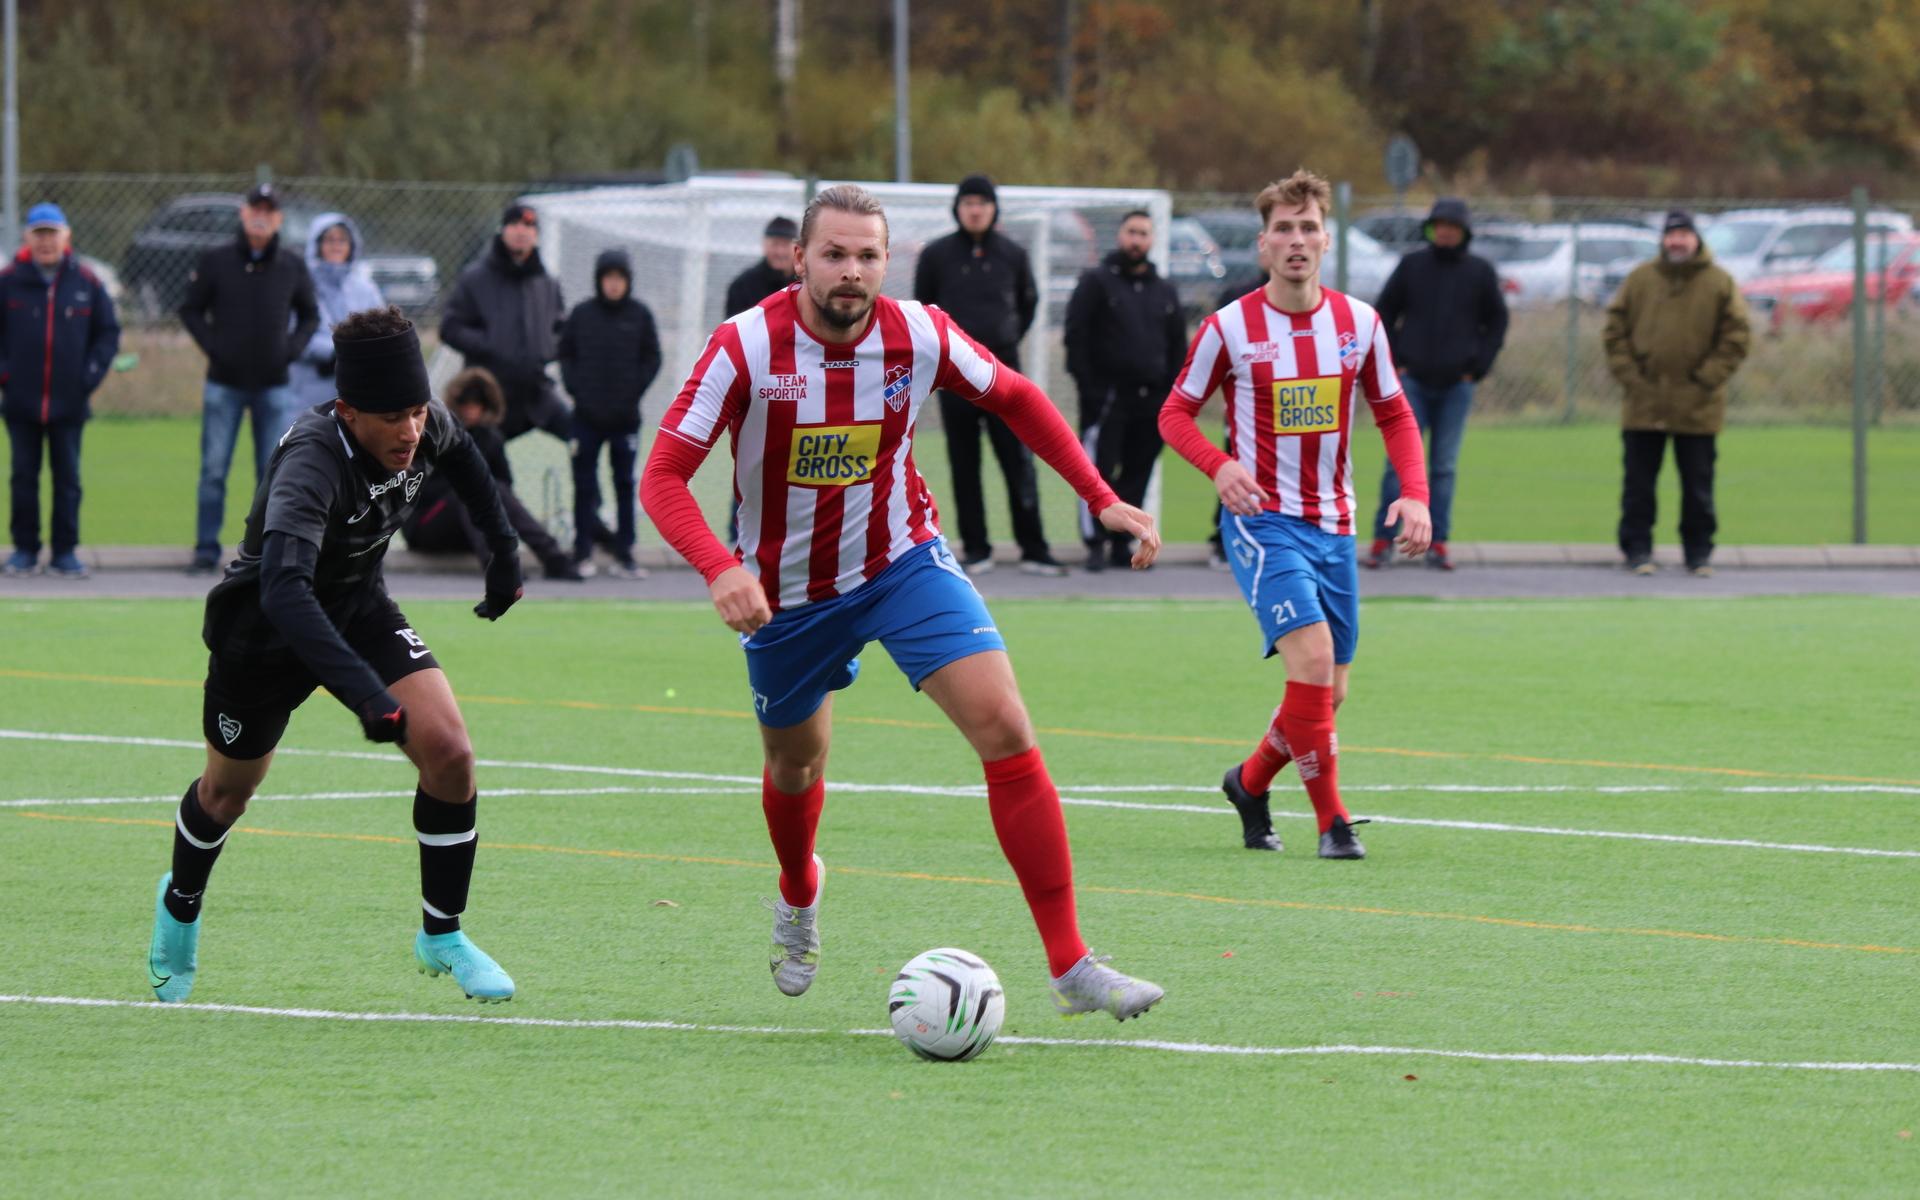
(505, 316)
(1445, 317)
(753, 285)
(1125, 331)
(985, 284)
(609, 352)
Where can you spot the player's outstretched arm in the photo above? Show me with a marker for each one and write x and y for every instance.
(287, 600)
(1121, 517)
(1401, 432)
(669, 503)
(1180, 428)
(473, 481)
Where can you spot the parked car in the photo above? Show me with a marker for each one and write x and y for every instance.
(1824, 292)
(1234, 231)
(1397, 230)
(1544, 264)
(1753, 242)
(1195, 266)
(167, 246)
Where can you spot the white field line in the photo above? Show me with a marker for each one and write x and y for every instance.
(1154, 1044)
(275, 798)
(1070, 796)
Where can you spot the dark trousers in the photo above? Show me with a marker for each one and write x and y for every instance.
(443, 525)
(1694, 454)
(543, 408)
(62, 444)
(1126, 445)
(623, 451)
(963, 422)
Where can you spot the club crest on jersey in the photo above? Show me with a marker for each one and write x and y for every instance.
(783, 387)
(833, 455)
(898, 384)
(1306, 406)
(1349, 351)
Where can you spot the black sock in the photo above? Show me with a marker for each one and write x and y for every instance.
(197, 839)
(447, 843)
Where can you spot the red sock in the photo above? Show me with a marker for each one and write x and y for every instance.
(1307, 718)
(1033, 836)
(791, 821)
(1256, 774)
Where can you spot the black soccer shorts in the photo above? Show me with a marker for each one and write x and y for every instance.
(249, 701)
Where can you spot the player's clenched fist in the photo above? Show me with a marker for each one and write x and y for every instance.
(1125, 518)
(740, 600)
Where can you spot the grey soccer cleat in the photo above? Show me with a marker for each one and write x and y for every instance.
(1256, 820)
(1092, 986)
(796, 938)
(1338, 841)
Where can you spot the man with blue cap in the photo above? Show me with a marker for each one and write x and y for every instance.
(58, 337)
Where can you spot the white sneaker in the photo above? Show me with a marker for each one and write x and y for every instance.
(796, 938)
(1092, 986)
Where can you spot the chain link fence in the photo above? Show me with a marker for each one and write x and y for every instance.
(1561, 259)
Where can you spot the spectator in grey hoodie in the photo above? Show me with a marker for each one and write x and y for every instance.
(342, 285)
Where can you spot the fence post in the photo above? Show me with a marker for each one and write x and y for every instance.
(1880, 303)
(1860, 350)
(1342, 210)
(1572, 378)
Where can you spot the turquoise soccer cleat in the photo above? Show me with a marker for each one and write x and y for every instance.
(174, 954)
(453, 954)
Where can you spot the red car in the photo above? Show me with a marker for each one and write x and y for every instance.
(1824, 291)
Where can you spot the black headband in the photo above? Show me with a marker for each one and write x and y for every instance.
(383, 374)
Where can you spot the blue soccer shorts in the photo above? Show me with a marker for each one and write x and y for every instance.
(1293, 573)
(922, 609)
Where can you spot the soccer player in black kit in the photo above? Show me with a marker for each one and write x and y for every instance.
(305, 606)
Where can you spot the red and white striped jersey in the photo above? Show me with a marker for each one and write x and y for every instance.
(1289, 384)
(823, 437)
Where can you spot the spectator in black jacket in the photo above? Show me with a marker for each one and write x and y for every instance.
(773, 272)
(1446, 321)
(441, 522)
(58, 336)
(609, 355)
(984, 282)
(504, 314)
(251, 309)
(1126, 340)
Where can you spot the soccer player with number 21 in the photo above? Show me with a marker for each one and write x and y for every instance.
(1291, 358)
(818, 388)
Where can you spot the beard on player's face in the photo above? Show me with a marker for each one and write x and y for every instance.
(842, 305)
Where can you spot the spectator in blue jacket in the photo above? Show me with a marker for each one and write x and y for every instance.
(59, 335)
(342, 285)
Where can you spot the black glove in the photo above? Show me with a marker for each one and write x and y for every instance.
(383, 719)
(503, 581)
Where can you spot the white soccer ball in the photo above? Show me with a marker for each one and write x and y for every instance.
(947, 1005)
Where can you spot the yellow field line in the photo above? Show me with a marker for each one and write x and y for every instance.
(1045, 730)
(1084, 889)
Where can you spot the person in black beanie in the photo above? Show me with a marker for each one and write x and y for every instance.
(504, 314)
(773, 272)
(609, 356)
(982, 279)
(305, 606)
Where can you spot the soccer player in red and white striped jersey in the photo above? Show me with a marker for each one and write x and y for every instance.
(818, 388)
(1293, 360)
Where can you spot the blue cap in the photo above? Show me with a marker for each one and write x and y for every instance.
(46, 216)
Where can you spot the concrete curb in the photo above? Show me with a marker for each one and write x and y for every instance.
(1466, 554)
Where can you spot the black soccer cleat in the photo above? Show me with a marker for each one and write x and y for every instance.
(1338, 841)
(1256, 822)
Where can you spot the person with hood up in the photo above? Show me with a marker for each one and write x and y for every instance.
(342, 285)
(609, 355)
(982, 279)
(1126, 341)
(1446, 321)
(1676, 332)
(504, 314)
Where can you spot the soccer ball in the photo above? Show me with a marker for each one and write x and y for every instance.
(946, 1005)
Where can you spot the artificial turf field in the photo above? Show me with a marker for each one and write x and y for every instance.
(1443, 1019)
